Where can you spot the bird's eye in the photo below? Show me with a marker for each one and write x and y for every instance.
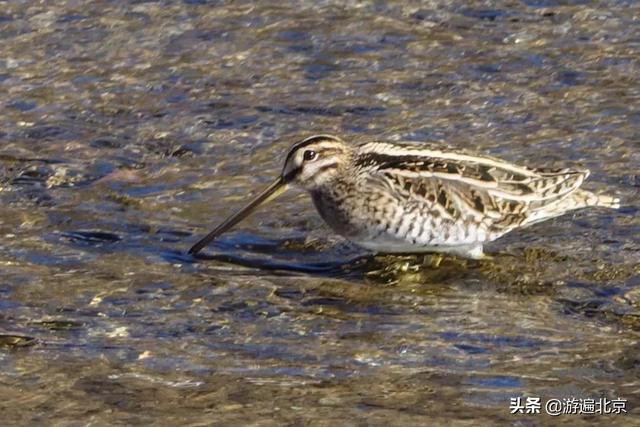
(309, 155)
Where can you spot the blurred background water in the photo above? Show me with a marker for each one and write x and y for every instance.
(128, 129)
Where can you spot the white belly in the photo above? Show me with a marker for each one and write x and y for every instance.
(473, 250)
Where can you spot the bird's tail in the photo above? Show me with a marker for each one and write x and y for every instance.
(577, 200)
(583, 198)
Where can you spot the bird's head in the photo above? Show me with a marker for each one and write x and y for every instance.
(310, 164)
(314, 161)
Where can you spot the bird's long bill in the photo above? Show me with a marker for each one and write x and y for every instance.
(273, 191)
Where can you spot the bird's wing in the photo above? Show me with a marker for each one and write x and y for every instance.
(459, 184)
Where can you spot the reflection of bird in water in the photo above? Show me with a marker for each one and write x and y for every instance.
(403, 198)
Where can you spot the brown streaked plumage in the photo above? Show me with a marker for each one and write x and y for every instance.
(394, 197)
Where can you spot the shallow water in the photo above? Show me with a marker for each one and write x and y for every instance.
(128, 130)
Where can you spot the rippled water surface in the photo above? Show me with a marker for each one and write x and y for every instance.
(128, 129)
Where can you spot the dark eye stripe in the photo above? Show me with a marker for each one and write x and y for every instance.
(311, 140)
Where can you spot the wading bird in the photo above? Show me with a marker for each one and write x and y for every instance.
(403, 198)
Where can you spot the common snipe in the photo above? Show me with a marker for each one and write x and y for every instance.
(393, 197)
